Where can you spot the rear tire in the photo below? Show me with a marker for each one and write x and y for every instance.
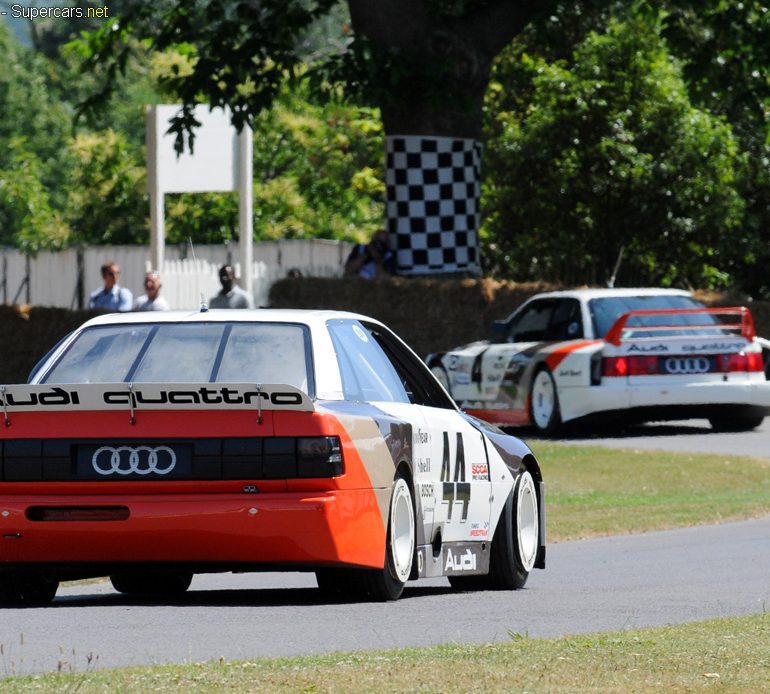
(155, 584)
(544, 403)
(388, 583)
(27, 588)
(735, 424)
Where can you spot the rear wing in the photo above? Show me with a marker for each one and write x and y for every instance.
(133, 397)
(742, 322)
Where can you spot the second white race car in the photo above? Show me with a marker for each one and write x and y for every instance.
(619, 355)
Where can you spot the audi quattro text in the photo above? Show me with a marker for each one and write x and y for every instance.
(148, 448)
(621, 355)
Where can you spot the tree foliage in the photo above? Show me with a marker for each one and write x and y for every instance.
(605, 152)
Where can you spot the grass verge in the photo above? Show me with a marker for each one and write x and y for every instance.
(723, 655)
(592, 491)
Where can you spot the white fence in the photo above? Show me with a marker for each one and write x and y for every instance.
(65, 278)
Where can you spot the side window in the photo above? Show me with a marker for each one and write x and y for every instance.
(531, 324)
(367, 374)
(420, 385)
(566, 322)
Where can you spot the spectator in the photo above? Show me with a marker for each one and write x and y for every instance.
(371, 260)
(111, 297)
(151, 300)
(231, 295)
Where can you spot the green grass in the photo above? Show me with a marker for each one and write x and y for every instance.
(593, 491)
(724, 655)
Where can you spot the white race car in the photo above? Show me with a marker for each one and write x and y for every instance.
(613, 354)
(152, 446)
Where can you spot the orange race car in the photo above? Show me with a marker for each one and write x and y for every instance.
(149, 447)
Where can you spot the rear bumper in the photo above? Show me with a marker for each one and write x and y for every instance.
(671, 400)
(301, 530)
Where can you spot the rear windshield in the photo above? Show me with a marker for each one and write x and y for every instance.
(605, 311)
(188, 353)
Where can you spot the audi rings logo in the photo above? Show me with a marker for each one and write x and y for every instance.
(687, 365)
(130, 460)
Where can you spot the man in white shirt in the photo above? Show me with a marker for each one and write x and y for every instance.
(151, 299)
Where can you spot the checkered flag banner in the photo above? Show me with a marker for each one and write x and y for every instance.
(433, 203)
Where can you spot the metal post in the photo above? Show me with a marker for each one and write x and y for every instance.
(246, 207)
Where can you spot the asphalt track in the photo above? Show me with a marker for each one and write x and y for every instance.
(593, 585)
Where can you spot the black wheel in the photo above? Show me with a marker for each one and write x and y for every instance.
(735, 423)
(27, 588)
(516, 539)
(158, 584)
(544, 403)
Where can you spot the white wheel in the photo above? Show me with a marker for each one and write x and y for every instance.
(401, 531)
(544, 403)
(527, 521)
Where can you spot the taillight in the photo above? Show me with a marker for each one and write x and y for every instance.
(629, 366)
(742, 361)
(642, 366)
(615, 366)
(319, 456)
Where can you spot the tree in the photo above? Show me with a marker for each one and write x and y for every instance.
(424, 62)
(608, 154)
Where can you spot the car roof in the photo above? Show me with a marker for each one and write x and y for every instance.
(586, 294)
(311, 317)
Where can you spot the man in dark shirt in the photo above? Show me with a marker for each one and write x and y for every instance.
(375, 259)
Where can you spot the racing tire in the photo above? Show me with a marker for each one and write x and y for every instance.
(27, 588)
(735, 424)
(388, 583)
(152, 584)
(517, 537)
(544, 403)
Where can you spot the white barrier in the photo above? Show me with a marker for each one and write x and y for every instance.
(51, 278)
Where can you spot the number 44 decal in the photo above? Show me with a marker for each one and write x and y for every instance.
(457, 490)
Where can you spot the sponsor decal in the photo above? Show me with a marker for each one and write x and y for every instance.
(164, 396)
(53, 397)
(716, 347)
(360, 334)
(462, 379)
(420, 437)
(494, 378)
(479, 531)
(200, 396)
(452, 362)
(570, 373)
(457, 491)
(480, 471)
(648, 348)
(460, 562)
(423, 465)
(427, 490)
